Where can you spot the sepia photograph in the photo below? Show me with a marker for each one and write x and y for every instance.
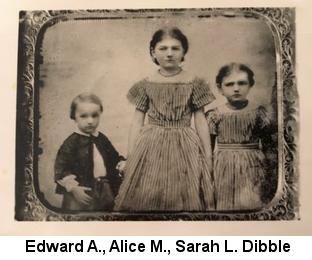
(157, 114)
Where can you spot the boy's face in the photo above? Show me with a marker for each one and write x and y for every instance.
(235, 87)
(87, 117)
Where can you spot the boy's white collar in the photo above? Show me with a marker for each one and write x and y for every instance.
(78, 131)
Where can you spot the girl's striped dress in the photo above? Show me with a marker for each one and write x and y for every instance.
(167, 170)
(239, 163)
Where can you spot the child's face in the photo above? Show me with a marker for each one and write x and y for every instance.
(87, 117)
(169, 53)
(235, 87)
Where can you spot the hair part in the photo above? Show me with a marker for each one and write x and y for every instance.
(227, 70)
(84, 97)
(173, 32)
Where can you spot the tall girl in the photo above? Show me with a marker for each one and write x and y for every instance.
(168, 166)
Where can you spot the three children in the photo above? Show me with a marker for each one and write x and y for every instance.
(170, 164)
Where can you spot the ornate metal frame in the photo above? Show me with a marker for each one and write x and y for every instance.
(29, 202)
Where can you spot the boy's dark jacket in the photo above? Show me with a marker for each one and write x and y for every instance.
(75, 157)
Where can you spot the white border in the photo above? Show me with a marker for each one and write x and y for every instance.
(9, 31)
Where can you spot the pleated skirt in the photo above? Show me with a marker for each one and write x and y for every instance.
(167, 171)
(239, 175)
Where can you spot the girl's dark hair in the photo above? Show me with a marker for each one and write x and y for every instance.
(172, 32)
(227, 69)
(84, 97)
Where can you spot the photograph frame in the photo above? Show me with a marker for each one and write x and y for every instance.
(29, 201)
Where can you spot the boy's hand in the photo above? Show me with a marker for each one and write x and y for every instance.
(81, 196)
(120, 166)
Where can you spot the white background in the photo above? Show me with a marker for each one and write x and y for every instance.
(16, 248)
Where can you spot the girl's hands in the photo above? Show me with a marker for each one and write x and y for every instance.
(81, 196)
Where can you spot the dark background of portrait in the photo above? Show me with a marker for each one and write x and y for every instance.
(107, 57)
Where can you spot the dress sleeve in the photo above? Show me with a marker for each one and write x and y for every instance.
(138, 97)
(212, 119)
(201, 95)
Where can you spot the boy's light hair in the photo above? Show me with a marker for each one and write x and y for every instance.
(84, 97)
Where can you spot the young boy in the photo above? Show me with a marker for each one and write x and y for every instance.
(86, 163)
